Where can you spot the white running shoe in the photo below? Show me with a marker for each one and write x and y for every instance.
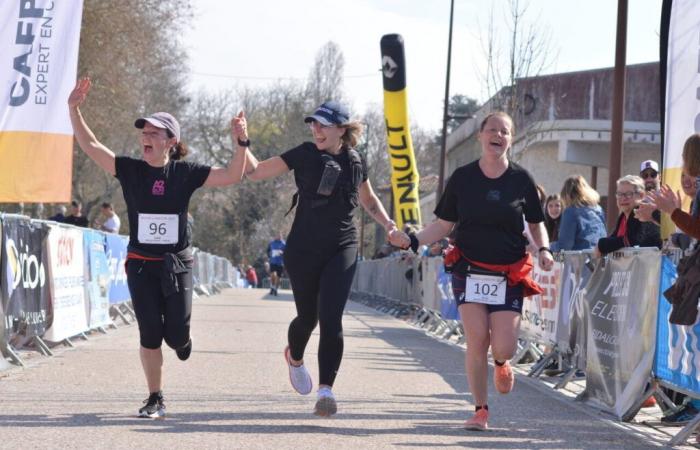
(298, 376)
(326, 405)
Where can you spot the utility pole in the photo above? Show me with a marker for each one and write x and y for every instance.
(445, 115)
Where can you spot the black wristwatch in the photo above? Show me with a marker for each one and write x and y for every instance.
(545, 249)
(414, 242)
(245, 143)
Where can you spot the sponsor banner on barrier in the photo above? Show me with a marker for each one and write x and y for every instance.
(39, 42)
(3, 341)
(25, 294)
(116, 257)
(96, 278)
(571, 331)
(541, 312)
(68, 315)
(621, 303)
(677, 359)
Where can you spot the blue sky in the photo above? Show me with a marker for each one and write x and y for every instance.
(255, 43)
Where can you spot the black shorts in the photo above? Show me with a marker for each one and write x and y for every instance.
(276, 268)
(514, 294)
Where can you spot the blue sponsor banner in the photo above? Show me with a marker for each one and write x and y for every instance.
(97, 278)
(448, 306)
(116, 256)
(677, 358)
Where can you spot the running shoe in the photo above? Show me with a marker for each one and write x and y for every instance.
(184, 352)
(479, 421)
(649, 403)
(325, 405)
(680, 417)
(503, 378)
(155, 408)
(298, 376)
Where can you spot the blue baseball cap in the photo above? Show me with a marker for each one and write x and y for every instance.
(330, 113)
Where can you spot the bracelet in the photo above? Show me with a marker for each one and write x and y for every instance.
(545, 249)
(245, 143)
(414, 242)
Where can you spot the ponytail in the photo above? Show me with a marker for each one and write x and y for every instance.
(179, 151)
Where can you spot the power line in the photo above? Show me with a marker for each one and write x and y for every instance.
(246, 77)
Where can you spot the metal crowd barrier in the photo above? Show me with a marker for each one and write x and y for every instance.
(60, 282)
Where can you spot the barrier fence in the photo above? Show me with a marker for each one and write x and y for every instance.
(59, 281)
(605, 316)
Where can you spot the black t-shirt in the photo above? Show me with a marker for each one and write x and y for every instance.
(80, 221)
(161, 196)
(489, 212)
(323, 221)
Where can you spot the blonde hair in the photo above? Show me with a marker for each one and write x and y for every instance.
(353, 132)
(691, 155)
(633, 180)
(577, 192)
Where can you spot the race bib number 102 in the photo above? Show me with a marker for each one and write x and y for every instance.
(158, 228)
(486, 289)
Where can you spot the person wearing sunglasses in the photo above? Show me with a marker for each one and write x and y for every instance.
(649, 172)
(629, 231)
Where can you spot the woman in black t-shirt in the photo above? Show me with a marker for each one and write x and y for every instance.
(157, 190)
(321, 251)
(486, 200)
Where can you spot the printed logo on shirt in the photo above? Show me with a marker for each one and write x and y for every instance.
(516, 303)
(158, 187)
(493, 196)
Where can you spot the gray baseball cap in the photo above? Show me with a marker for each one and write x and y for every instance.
(161, 120)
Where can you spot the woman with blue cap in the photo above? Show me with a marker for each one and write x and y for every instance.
(321, 251)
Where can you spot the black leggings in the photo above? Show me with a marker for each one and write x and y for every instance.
(159, 317)
(321, 286)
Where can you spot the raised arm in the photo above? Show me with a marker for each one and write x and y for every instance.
(255, 170)
(233, 174)
(96, 151)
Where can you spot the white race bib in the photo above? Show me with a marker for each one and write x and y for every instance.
(158, 228)
(486, 289)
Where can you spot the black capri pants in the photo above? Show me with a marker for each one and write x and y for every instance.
(321, 284)
(159, 317)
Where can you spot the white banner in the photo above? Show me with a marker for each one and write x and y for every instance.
(68, 309)
(541, 312)
(39, 56)
(682, 115)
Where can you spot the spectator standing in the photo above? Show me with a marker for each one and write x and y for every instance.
(76, 215)
(60, 215)
(582, 222)
(108, 221)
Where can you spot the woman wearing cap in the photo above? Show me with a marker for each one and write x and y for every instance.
(484, 202)
(321, 250)
(157, 188)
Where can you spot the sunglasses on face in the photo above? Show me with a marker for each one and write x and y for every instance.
(649, 175)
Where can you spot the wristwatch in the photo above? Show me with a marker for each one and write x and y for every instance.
(245, 143)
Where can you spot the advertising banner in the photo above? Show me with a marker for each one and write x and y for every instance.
(621, 302)
(677, 358)
(39, 52)
(540, 314)
(96, 278)
(404, 171)
(116, 257)
(571, 327)
(68, 314)
(25, 293)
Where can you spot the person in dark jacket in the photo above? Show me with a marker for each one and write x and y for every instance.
(629, 231)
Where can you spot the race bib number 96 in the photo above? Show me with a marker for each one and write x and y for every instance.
(158, 228)
(486, 289)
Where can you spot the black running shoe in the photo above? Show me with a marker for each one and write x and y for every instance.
(680, 417)
(155, 408)
(184, 352)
